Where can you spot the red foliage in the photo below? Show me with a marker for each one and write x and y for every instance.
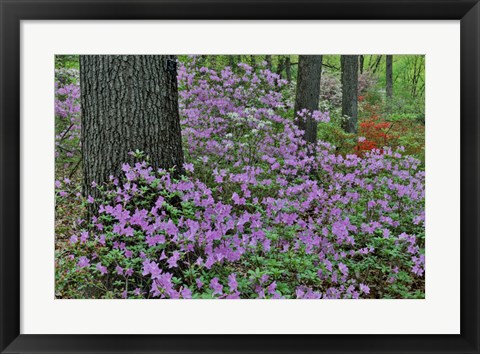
(375, 131)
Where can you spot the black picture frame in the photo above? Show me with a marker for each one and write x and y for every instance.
(14, 11)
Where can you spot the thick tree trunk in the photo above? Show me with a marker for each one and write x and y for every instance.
(308, 92)
(129, 102)
(389, 76)
(349, 92)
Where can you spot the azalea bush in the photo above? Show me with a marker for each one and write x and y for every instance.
(67, 120)
(258, 213)
(378, 127)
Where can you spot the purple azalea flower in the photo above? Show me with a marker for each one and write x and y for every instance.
(232, 282)
(83, 262)
(216, 287)
(102, 269)
(364, 288)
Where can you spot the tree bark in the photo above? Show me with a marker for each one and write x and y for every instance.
(389, 76)
(288, 68)
(308, 92)
(128, 103)
(349, 92)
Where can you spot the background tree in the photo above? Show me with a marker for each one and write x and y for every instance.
(288, 68)
(128, 103)
(416, 74)
(280, 65)
(253, 62)
(389, 76)
(349, 64)
(308, 92)
(361, 61)
(374, 63)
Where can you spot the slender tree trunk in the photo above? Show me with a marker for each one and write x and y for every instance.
(370, 58)
(253, 62)
(237, 59)
(129, 102)
(349, 92)
(418, 64)
(389, 76)
(377, 64)
(231, 62)
(288, 68)
(361, 62)
(280, 65)
(308, 92)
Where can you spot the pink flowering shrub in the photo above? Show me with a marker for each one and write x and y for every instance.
(255, 216)
(67, 118)
(366, 81)
(330, 90)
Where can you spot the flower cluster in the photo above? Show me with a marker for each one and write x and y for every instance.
(376, 131)
(67, 117)
(366, 81)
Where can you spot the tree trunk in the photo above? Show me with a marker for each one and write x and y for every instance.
(253, 62)
(128, 103)
(268, 59)
(288, 68)
(280, 65)
(308, 92)
(361, 63)
(231, 62)
(389, 78)
(377, 64)
(237, 59)
(349, 92)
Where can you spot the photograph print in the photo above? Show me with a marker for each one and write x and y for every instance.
(240, 176)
